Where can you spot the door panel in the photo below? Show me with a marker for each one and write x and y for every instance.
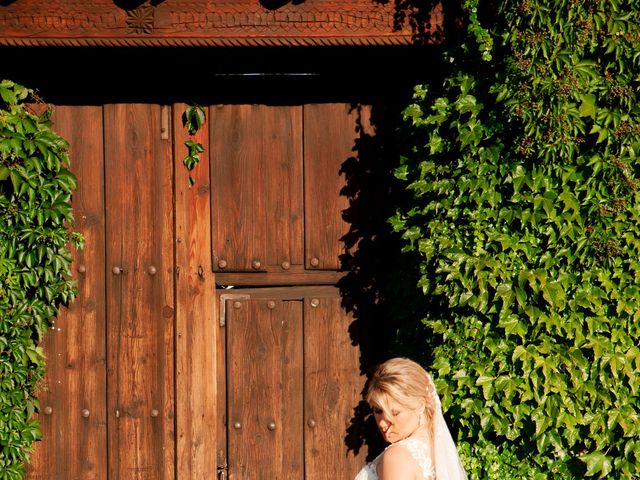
(197, 437)
(256, 187)
(73, 396)
(139, 261)
(330, 133)
(332, 387)
(277, 186)
(264, 377)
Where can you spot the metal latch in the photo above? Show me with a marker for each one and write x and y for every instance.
(223, 304)
(222, 473)
(222, 466)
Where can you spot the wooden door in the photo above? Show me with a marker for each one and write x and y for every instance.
(291, 367)
(108, 401)
(292, 382)
(131, 390)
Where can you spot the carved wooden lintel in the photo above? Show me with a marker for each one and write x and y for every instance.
(204, 23)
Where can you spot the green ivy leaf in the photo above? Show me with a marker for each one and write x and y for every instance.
(588, 106)
(598, 464)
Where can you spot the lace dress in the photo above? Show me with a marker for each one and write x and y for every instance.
(418, 450)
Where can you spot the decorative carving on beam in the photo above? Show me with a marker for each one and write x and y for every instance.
(140, 20)
(204, 23)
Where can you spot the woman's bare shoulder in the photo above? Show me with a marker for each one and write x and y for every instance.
(397, 463)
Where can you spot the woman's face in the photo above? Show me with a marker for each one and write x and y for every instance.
(399, 423)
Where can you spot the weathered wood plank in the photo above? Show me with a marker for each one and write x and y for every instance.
(330, 133)
(332, 386)
(256, 180)
(197, 398)
(279, 278)
(264, 378)
(140, 303)
(73, 398)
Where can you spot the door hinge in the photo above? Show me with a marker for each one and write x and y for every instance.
(222, 473)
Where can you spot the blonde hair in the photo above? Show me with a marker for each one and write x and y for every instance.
(405, 382)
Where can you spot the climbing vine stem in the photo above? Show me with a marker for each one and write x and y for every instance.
(193, 118)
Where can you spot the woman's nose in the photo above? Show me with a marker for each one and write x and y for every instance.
(383, 422)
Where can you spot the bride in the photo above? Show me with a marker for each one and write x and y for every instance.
(408, 413)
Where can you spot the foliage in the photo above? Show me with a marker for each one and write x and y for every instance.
(35, 214)
(192, 119)
(523, 166)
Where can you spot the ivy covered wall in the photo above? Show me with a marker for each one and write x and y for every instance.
(35, 237)
(525, 217)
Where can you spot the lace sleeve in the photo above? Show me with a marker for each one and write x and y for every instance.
(368, 472)
(419, 452)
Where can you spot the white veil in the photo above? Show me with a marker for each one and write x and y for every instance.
(448, 465)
